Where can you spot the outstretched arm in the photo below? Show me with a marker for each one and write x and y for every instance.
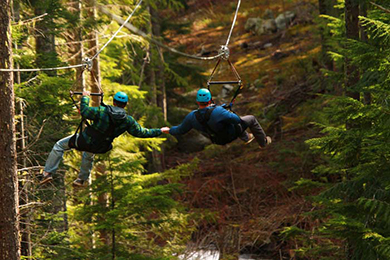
(138, 131)
(183, 128)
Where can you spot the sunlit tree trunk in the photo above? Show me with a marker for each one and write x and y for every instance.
(24, 185)
(9, 204)
(95, 82)
(76, 47)
(93, 47)
(25, 229)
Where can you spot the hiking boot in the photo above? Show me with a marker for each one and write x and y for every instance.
(268, 140)
(46, 177)
(78, 183)
(251, 137)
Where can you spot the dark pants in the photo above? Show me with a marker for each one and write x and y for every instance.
(258, 132)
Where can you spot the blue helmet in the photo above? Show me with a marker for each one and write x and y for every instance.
(121, 97)
(203, 95)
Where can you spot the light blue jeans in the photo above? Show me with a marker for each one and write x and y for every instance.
(55, 157)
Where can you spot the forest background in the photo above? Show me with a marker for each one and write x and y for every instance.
(317, 83)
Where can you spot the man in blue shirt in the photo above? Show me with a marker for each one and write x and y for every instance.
(221, 125)
(109, 122)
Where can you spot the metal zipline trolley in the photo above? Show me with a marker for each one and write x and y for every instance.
(225, 53)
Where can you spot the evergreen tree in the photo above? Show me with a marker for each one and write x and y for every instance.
(9, 206)
(356, 154)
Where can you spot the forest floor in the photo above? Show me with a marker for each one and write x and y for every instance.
(248, 189)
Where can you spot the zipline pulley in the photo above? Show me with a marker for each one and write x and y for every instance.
(88, 63)
(225, 56)
(224, 52)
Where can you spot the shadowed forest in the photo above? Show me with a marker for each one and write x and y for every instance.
(315, 74)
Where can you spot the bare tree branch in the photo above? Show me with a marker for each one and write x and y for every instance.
(32, 20)
(30, 168)
(380, 7)
(38, 136)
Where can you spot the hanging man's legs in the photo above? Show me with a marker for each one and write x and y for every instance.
(256, 129)
(55, 158)
(85, 170)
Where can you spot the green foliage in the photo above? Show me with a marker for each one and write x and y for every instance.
(148, 222)
(142, 211)
(355, 150)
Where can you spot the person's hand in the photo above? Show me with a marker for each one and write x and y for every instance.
(165, 129)
(86, 93)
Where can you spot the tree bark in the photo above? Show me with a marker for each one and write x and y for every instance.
(158, 96)
(94, 47)
(9, 204)
(161, 94)
(45, 38)
(76, 48)
(25, 230)
(352, 32)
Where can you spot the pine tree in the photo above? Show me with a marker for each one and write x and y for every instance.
(9, 210)
(356, 155)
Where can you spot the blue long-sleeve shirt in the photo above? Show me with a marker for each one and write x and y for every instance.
(221, 120)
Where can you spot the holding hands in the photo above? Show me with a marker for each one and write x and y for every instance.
(165, 129)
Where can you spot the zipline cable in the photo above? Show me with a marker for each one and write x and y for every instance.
(45, 69)
(224, 48)
(137, 31)
(88, 62)
(233, 23)
(120, 28)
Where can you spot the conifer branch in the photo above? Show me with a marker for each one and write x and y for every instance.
(380, 7)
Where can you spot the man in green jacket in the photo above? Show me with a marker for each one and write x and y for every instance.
(109, 122)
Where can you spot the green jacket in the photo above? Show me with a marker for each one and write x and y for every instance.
(123, 122)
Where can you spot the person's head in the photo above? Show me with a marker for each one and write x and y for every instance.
(120, 99)
(203, 97)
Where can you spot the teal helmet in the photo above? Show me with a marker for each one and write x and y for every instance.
(203, 95)
(121, 97)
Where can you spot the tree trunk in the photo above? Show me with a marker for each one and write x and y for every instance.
(24, 226)
(161, 94)
(46, 56)
(352, 32)
(9, 204)
(95, 87)
(25, 191)
(94, 47)
(101, 174)
(157, 77)
(44, 38)
(76, 48)
(363, 37)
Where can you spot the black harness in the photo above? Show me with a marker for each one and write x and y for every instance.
(222, 137)
(100, 142)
